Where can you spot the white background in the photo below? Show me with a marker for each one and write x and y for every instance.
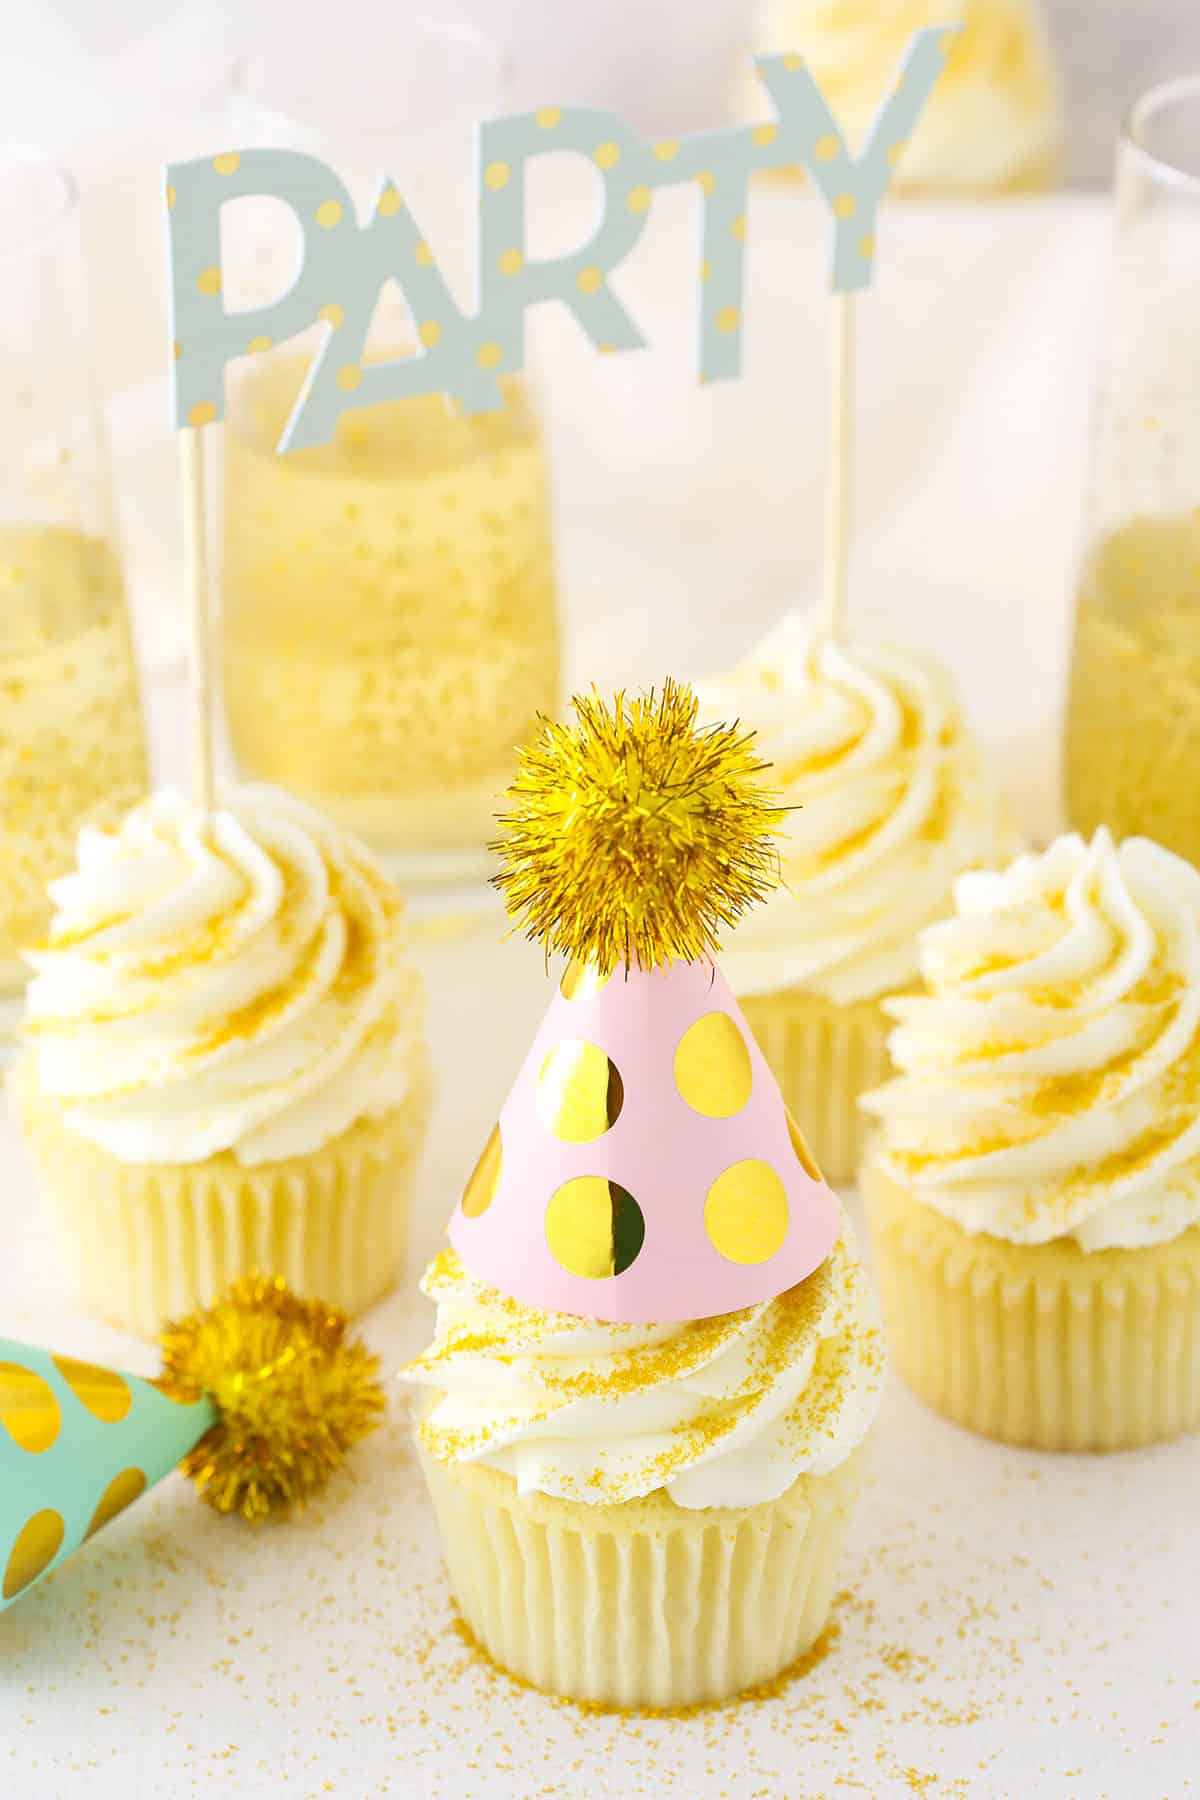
(1013, 1625)
(72, 65)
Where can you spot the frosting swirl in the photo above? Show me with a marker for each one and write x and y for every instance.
(888, 799)
(231, 981)
(993, 120)
(726, 1411)
(1050, 1081)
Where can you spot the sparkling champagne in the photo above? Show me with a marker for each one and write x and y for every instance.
(71, 744)
(389, 629)
(1133, 728)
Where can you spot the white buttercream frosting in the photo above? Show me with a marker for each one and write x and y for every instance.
(727, 1411)
(1050, 1076)
(888, 802)
(231, 981)
(994, 119)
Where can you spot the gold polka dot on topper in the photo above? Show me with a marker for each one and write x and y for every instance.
(260, 1397)
(644, 1167)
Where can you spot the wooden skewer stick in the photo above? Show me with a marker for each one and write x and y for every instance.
(195, 564)
(838, 457)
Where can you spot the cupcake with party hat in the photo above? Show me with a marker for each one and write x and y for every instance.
(656, 1358)
(226, 1071)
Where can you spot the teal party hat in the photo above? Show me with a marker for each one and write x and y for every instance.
(77, 1444)
(260, 1397)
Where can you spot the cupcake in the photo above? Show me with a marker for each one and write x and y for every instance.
(647, 1515)
(994, 121)
(224, 1069)
(888, 802)
(1034, 1187)
(656, 1360)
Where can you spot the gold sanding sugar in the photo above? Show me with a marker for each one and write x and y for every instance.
(389, 602)
(814, 1319)
(1133, 729)
(71, 744)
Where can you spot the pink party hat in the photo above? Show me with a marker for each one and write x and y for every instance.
(644, 1167)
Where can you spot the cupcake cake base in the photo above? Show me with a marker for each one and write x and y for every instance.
(823, 1057)
(1043, 1345)
(643, 1604)
(148, 1242)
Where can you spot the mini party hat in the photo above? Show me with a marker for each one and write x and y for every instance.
(644, 1167)
(259, 1399)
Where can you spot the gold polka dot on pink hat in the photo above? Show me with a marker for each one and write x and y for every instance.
(644, 1166)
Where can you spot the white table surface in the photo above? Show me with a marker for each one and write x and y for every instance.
(1011, 1624)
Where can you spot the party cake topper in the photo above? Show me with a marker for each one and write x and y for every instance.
(344, 261)
(644, 1167)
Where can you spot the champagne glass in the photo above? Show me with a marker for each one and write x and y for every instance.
(389, 618)
(72, 746)
(1133, 725)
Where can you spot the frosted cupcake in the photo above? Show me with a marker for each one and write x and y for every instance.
(889, 802)
(669, 1501)
(656, 1357)
(1034, 1191)
(994, 121)
(225, 1070)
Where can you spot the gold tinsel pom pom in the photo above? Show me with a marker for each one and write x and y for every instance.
(634, 835)
(293, 1392)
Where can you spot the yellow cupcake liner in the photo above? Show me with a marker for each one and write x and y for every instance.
(1044, 1345)
(643, 1604)
(823, 1057)
(147, 1242)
